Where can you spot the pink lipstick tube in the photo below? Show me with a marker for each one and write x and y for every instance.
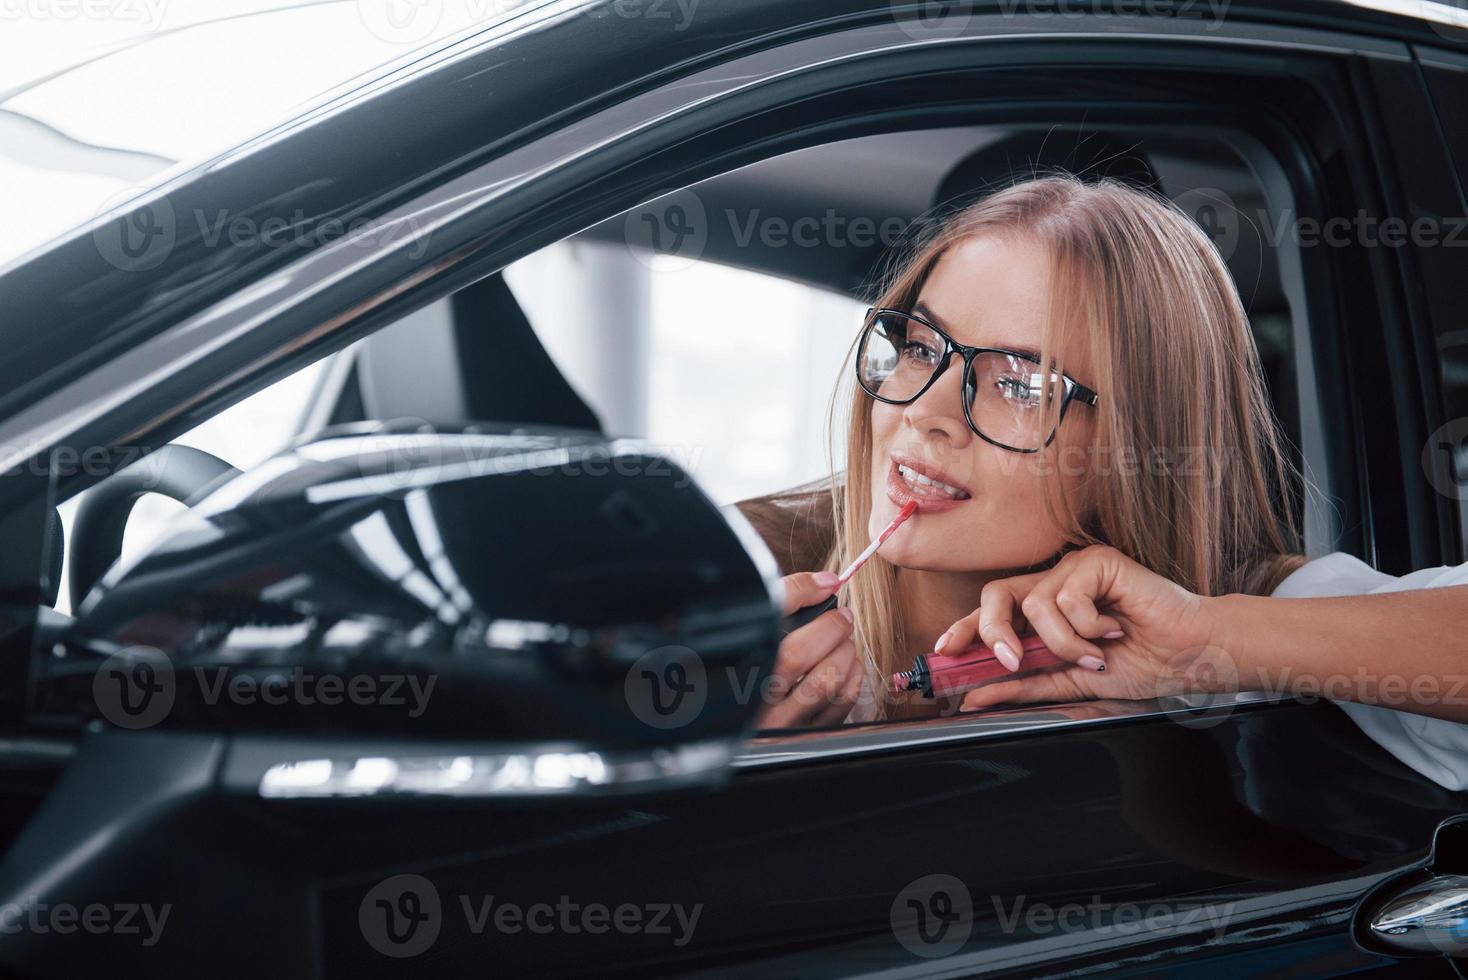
(938, 676)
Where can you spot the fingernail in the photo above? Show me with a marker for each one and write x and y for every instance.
(1006, 656)
(846, 611)
(826, 580)
(942, 642)
(1113, 635)
(1092, 663)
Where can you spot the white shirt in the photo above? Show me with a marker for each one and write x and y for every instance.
(1435, 748)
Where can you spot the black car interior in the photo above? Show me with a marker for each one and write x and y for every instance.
(908, 176)
(457, 346)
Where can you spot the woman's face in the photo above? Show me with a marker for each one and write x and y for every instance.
(983, 292)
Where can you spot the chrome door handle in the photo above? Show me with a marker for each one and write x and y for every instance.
(1429, 917)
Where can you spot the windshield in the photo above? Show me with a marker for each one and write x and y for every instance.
(102, 99)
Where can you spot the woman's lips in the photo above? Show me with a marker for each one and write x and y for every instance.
(932, 502)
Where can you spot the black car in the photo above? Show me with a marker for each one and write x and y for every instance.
(461, 682)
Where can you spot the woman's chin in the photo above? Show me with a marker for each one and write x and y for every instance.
(909, 554)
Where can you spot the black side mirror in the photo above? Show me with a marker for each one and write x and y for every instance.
(475, 612)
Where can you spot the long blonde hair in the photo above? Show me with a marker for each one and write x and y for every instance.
(1176, 360)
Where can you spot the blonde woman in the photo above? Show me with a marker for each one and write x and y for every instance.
(1127, 506)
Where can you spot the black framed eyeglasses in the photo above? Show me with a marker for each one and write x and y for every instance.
(902, 354)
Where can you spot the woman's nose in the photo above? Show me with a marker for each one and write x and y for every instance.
(938, 413)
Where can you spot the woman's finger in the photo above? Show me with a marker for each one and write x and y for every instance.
(806, 589)
(844, 697)
(961, 634)
(1052, 625)
(1055, 685)
(823, 682)
(1077, 595)
(997, 604)
(802, 650)
(817, 698)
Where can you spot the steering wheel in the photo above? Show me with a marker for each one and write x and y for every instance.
(179, 472)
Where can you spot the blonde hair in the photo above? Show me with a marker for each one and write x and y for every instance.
(1175, 360)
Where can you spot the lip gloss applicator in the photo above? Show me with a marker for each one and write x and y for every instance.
(803, 616)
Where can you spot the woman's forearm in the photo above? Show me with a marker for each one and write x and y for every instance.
(1405, 650)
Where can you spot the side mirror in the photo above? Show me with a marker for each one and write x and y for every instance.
(469, 613)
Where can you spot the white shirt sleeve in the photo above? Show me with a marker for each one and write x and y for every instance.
(1436, 748)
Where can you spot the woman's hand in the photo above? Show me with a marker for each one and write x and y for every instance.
(818, 674)
(1127, 632)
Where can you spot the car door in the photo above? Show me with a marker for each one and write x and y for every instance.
(1240, 835)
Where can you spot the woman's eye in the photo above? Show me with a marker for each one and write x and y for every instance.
(1018, 390)
(922, 353)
